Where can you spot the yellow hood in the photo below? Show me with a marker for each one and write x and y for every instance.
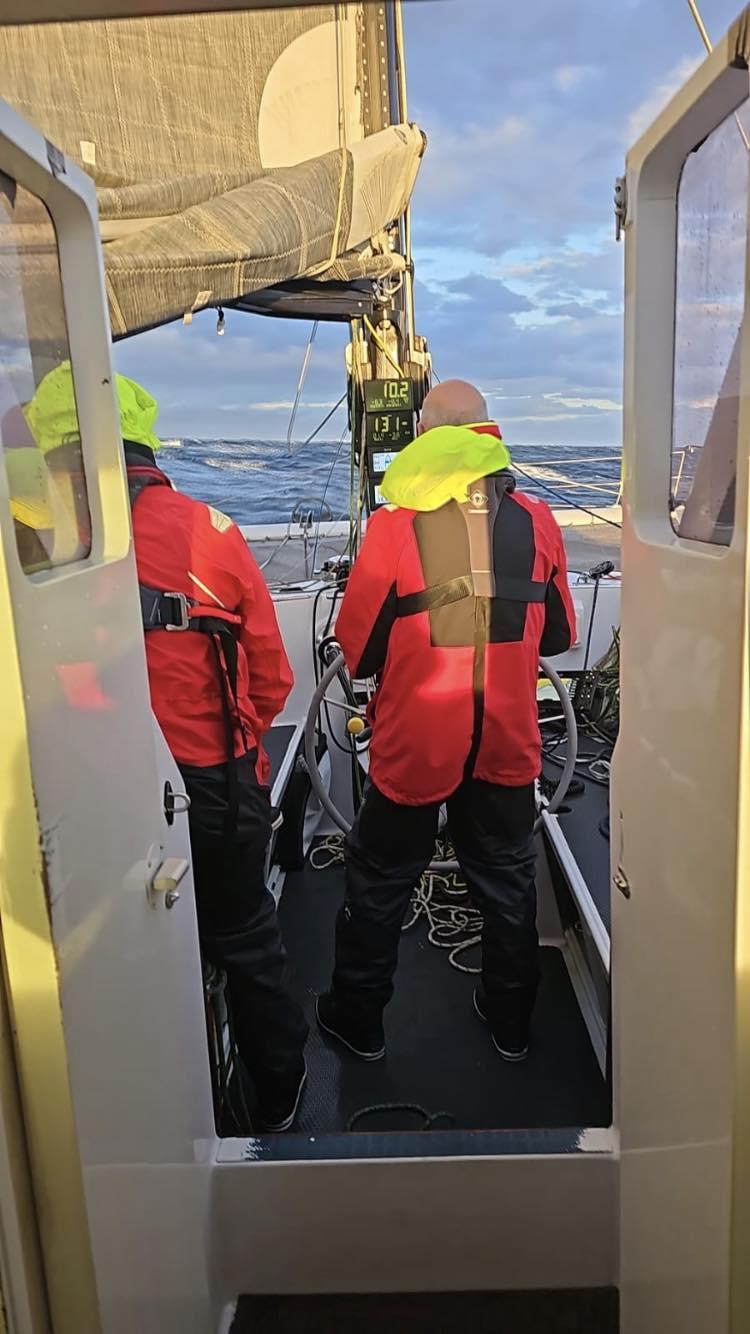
(53, 419)
(441, 465)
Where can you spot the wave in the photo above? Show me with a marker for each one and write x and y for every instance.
(261, 481)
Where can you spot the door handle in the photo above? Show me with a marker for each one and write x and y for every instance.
(175, 803)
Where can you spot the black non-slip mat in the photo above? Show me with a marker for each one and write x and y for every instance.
(585, 1311)
(439, 1055)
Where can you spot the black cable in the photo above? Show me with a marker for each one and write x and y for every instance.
(316, 668)
(428, 1118)
(314, 633)
(594, 601)
(565, 499)
(329, 622)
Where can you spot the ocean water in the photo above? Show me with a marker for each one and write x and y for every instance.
(261, 481)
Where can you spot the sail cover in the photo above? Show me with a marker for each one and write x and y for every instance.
(230, 152)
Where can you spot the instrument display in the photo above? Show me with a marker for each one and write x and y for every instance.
(389, 425)
(380, 395)
(390, 428)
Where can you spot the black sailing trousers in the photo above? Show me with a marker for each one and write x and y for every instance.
(237, 923)
(386, 852)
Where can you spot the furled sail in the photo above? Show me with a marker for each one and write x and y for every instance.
(230, 152)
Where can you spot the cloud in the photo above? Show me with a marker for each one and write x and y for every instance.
(568, 77)
(660, 95)
(489, 292)
(520, 284)
(284, 405)
(600, 404)
(551, 417)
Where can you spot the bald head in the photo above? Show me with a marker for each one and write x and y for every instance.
(452, 403)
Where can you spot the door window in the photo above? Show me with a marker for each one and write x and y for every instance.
(39, 432)
(710, 303)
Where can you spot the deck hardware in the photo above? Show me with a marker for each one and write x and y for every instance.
(175, 803)
(622, 883)
(621, 205)
(165, 880)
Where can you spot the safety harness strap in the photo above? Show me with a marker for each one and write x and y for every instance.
(176, 612)
(507, 588)
(439, 595)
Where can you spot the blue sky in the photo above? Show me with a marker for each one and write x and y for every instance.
(528, 110)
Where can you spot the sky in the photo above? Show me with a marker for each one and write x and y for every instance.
(529, 109)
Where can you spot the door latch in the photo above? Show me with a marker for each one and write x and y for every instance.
(165, 880)
(622, 883)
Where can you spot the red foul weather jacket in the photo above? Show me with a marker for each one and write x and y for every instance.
(185, 546)
(450, 609)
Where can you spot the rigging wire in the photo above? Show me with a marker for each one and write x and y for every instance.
(324, 422)
(301, 384)
(336, 457)
(565, 499)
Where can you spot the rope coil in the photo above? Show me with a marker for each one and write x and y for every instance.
(441, 899)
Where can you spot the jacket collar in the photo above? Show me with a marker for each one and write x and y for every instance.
(486, 428)
(138, 456)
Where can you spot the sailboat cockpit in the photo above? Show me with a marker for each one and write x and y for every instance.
(262, 161)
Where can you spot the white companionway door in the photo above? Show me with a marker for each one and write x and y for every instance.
(680, 800)
(147, 1224)
(103, 980)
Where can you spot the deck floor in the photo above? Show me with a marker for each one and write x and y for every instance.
(439, 1056)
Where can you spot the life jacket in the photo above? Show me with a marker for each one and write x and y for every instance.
(162, 609)
(461, 583)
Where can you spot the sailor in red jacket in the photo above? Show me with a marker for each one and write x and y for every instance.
(218, 675)
(460, 585)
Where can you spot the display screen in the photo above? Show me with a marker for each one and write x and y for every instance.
(380, 395)
(382, 461)
(390, 428)
(379, 497)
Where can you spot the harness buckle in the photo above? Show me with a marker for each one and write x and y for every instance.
(182, 603)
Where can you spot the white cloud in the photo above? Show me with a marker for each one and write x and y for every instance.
(506, 398)
(568, 77)
(662, 93)
(285, 405)
(601, 404)
(551, 417)
(528, 269)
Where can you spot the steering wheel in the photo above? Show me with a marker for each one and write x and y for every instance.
(335, 665)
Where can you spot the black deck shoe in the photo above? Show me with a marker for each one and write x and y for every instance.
(278, 1111)
(510, 1041)
(365, 1039)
